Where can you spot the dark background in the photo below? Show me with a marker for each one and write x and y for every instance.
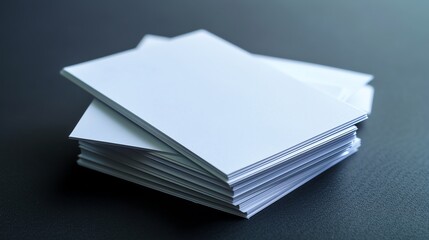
(381, 192)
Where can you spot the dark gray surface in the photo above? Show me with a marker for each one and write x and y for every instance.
(382, 192)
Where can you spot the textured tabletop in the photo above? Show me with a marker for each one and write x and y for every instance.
(381, 192)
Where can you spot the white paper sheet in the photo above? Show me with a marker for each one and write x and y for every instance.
(362, 99)
(100, 123)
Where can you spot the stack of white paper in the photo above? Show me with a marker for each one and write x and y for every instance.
(201, 119)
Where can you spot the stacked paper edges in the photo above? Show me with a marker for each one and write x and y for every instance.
(201, 119)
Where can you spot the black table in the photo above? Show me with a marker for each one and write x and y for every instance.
(381, 192)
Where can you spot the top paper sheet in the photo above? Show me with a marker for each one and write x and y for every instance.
(206, 97)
